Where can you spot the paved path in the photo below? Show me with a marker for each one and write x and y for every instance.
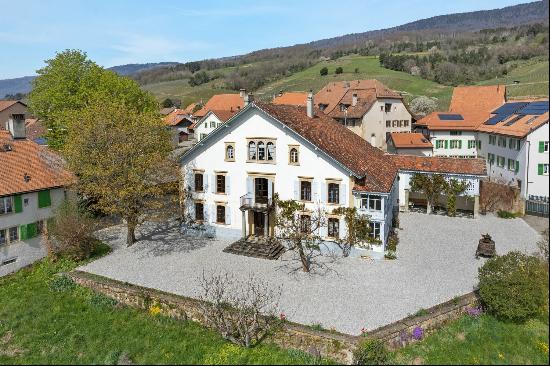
(436, 263)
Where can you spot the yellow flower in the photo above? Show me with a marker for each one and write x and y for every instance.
(543, 347)
(154, 310)
(501, 356)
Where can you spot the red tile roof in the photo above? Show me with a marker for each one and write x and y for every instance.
(45, 168)
(410, 141)
(474, 103)
(5, 104)
(344, 146)
(227, 102)
(520, 127)
(34, 128)
(176, 117)
(436, 164)
(367, 91)
(189, 108)
(224, 115)
(291, 98)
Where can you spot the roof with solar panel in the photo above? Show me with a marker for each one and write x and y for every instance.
(517, 118)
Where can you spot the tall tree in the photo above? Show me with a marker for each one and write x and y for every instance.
(117, 154)
(67, 84)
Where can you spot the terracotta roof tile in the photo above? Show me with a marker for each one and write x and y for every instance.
(45, 168)
(227, 102)
(34, 128)
(522, 126)
(176, 117)
(189, 108)
(291, 98)
(340, 143)
(410, 140)
(5, 104)
(224, 115)
(436, 164)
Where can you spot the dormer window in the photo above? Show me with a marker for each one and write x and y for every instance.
(322, 107)
(387, 107)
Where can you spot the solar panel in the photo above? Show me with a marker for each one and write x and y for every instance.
(496, 119)
(450, 117)
(514, 120)
(509, 108)
(535, 108)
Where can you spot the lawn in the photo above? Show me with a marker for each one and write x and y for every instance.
(482, 340)
(40, 326)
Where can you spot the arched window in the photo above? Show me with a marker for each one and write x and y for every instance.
(229, 152)
(261, 150)
(270, 151)
(294, 156)
(251, 150)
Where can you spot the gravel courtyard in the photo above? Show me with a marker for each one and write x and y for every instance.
(436, 263)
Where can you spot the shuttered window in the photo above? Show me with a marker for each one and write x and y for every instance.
(44, 199)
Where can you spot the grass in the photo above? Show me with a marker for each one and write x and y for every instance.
(532, 76)
(483, 340)
(74, 326)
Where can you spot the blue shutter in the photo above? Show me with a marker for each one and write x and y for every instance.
(315, 189)
(324, 192)
(296, 190)
(227, 215)
(343, 192)
(269, 189)
(227, 185)
(213, 186)
(250, 185)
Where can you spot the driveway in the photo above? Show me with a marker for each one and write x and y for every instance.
(435, 263)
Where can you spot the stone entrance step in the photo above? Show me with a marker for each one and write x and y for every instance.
(257, 248)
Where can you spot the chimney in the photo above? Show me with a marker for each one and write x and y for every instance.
(309, 104)
(248, 98)
(242, 93)
(16, 126)
(354, 100)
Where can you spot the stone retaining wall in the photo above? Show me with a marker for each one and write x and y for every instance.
(320, 343)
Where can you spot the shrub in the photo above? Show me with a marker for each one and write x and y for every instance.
(370, 352)
(339, 70)
(323, 71)
(513, 287)
(61, 284)
(505, 214)
(100, 300)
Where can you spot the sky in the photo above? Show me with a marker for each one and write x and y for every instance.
(117, 32)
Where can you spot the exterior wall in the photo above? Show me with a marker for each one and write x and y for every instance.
(5, 115)
(285, 177)
(446, 150)
(374, 122)
(537, 185)
(417, 152)
(204, 126)
(29, 250)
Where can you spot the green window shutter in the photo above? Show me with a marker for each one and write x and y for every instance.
(460, 144)
(517, 166)
(44, 199)
(18, 203)
(446, 144)
(23, 232)
(541, 169)
(541, 146)
(32, 230)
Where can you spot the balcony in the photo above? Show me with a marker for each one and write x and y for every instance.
(256, 203)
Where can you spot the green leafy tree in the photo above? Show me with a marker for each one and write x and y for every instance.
(339, 70)
(167, 103)
(66, 85)
(120, 157)
(431, 185)
(453, 189)
(357, 230)
(299, 229)
(323, 71)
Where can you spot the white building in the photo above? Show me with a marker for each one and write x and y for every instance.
(31, 187)
(233, 173)
(211, 121)
(366, 107)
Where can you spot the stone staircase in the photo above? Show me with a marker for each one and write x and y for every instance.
(257, 248)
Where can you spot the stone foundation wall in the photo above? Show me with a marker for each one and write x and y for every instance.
(319, 343)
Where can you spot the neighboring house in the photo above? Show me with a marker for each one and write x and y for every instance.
(212, 120)
(36, 131)
(222, 102)
(466, 170)
(454, 133)
(514, 142)
(166, 111)
(32, 185)
(181, 126)
(9, 108)
(291, 98)
(366, 107)
(299, 153)
(409, 144)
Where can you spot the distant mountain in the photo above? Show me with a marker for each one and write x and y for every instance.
(23, 84)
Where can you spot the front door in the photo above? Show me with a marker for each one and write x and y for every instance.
(261, 190)
(259, 223)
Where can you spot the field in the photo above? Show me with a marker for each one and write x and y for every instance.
(41, 326)
(532, 78)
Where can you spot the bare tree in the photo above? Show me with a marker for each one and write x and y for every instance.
(242, 311)
(298, 229)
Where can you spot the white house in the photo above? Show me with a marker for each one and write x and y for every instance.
(299, 153)
(211, 121)
(32, 183)
(366, 107)
(514, 142)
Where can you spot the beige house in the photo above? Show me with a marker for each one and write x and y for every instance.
(367, 107)
(9, 108)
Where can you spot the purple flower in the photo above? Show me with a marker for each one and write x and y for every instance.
(418, 333)
(474, 312)
(404, 336)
